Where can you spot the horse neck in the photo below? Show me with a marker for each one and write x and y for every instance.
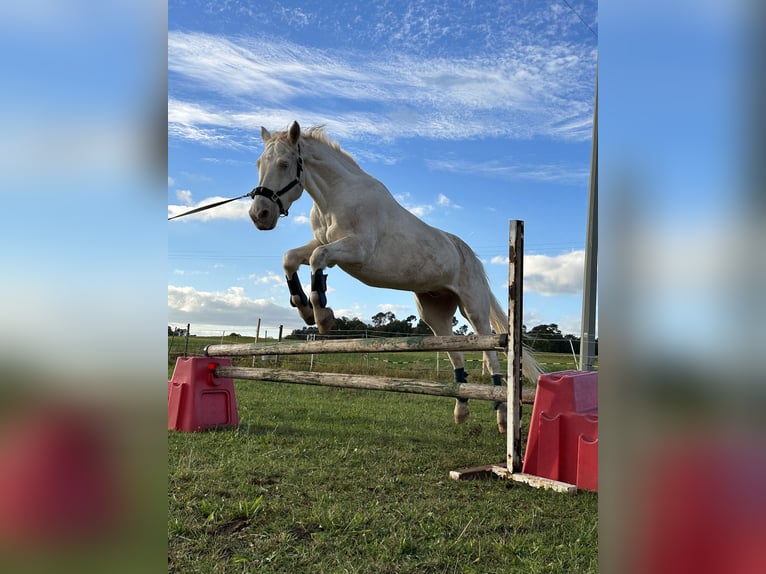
(327, 172)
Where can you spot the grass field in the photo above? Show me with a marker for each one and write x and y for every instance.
(326, 480)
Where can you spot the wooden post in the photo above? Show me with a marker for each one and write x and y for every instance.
(279, 340)
(186, 345)
(515, 310)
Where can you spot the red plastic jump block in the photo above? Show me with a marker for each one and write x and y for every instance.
(60, 478)
(563, 433)
(197, 400)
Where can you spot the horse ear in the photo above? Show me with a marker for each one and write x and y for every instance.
(265, 135)
(295, 132)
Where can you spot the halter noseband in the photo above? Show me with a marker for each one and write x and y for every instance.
(275, 195)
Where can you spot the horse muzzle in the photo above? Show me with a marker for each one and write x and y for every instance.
(264, 213)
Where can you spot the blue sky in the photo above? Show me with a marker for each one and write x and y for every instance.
(471, 113)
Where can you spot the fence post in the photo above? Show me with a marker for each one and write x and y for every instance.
(279, 340)
(186, 345)
(515, 315)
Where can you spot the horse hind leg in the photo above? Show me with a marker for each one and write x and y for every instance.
(479, 319)
(437, 311)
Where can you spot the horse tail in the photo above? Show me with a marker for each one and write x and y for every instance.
(498, 318)
(530, 367)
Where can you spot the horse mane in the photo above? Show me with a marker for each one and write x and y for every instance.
(317, 133)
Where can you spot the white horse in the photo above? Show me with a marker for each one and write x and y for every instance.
(360, 227)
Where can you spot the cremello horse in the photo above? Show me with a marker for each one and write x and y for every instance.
(360, 227)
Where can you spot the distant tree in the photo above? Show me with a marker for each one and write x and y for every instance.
(383, 318)
(548, 338)
(356, 325)
(422, 328)
(235, 335)
(463, 330)
(397, 327)
(170, 331)
(551, 330)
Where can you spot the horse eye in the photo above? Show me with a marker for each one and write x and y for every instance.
(283, 165)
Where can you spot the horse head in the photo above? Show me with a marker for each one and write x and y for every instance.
(279, 185)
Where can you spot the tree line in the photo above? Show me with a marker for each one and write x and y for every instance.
(545, 338)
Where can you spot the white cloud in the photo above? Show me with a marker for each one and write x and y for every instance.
(301, 219)
(445, 201)
(270, 278)
(551, 274)
(421, 210)
(554, 275)
(184, 196)
(226, 309)
(547, 172)
(171, 181)
(527, 90)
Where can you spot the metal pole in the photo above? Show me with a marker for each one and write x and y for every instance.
(588, 325)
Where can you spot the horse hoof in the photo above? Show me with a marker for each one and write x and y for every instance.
(307, 314)
(502, 418)
(325, 319)
(461, 412)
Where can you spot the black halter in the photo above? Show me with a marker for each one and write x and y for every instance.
(275, 195)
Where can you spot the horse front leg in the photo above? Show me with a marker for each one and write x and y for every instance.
(291, 261)
(349, 250)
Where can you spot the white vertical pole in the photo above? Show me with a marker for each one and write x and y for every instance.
(588, 325)
(515, 314)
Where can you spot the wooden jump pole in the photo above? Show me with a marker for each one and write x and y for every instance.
(382, 345)
(373, 383)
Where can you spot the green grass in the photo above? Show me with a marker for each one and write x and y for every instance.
(336, 480)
